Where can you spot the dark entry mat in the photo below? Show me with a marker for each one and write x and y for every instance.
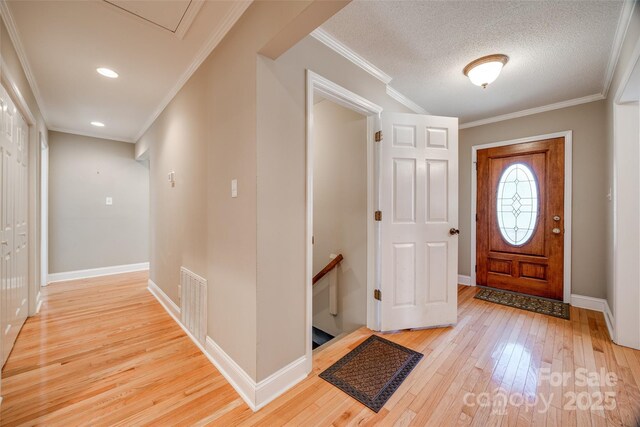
(372, 371)
(525, 302)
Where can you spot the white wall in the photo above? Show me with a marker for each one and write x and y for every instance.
(627, 224)
(625, 63)
(340, 214)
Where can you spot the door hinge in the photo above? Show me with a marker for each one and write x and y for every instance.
(377, 294)
(476, 217)
(476, 268)
(378, 136)
(378, 216)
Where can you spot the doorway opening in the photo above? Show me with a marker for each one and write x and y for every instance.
(351, 233)
(339, 220)
(521, 215)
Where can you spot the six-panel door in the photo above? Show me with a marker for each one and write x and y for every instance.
(13, 222)
(419, 204)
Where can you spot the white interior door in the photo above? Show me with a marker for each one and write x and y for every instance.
(13, 223)
(418, 198)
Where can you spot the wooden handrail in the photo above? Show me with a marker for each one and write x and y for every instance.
(334, 262)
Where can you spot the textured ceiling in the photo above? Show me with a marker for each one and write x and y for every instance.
(559, 50)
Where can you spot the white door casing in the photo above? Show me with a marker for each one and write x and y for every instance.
(418, 198)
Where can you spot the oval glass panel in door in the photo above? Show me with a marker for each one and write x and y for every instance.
(517, 204)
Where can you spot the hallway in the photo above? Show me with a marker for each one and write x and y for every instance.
(104, 352)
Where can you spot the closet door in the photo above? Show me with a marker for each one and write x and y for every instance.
(22, 194)
(13, 223)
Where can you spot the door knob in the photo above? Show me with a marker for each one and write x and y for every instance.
(556, 231)
(5, 243)
(454, 231)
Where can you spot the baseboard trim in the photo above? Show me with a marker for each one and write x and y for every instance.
(255, 395)
(39, 301)
(608, 317)
(168, 304)
(464, 280)
(596, 304)
(96, 272)
(279, 382)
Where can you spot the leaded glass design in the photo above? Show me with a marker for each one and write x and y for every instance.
(517, 204)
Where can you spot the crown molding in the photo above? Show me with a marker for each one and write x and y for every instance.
(618, 40)
(91, 134)
(536, 110)
(405, 101)
(346, 52)
(229, 21)
(337, 46)
(7, 17)
(9, 84)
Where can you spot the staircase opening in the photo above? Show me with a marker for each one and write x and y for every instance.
(339, 221)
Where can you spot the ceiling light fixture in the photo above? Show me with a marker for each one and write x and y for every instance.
(107, 72)
(98, 124)
(485, 70)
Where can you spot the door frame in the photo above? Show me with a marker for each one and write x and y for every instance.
(44, 210)
(318, 85)
(568, 166)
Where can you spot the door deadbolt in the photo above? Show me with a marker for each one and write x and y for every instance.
(556, 218)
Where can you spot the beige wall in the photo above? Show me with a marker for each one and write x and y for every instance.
(590, 187)
(628, 46)
(340, 214)
(207, 135)
(84, 232)
(281, 190)
(222, 125)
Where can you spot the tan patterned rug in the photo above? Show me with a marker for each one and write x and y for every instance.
(372, 371)
(525, 302)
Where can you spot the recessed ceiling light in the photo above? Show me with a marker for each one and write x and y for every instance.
(98, 124)
(107, 72)
(485, 70)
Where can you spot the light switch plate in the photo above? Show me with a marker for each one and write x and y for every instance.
(234, 188)
(109, 201)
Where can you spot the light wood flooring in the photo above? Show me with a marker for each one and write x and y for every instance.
(104, 352)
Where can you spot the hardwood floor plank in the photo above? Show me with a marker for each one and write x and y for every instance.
(104, 352)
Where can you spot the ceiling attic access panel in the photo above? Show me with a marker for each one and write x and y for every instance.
(174, 16)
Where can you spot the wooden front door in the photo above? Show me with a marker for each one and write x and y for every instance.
(520, 218)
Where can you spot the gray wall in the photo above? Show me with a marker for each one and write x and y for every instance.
(84, 232)
(590, 186)
(340, 214)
